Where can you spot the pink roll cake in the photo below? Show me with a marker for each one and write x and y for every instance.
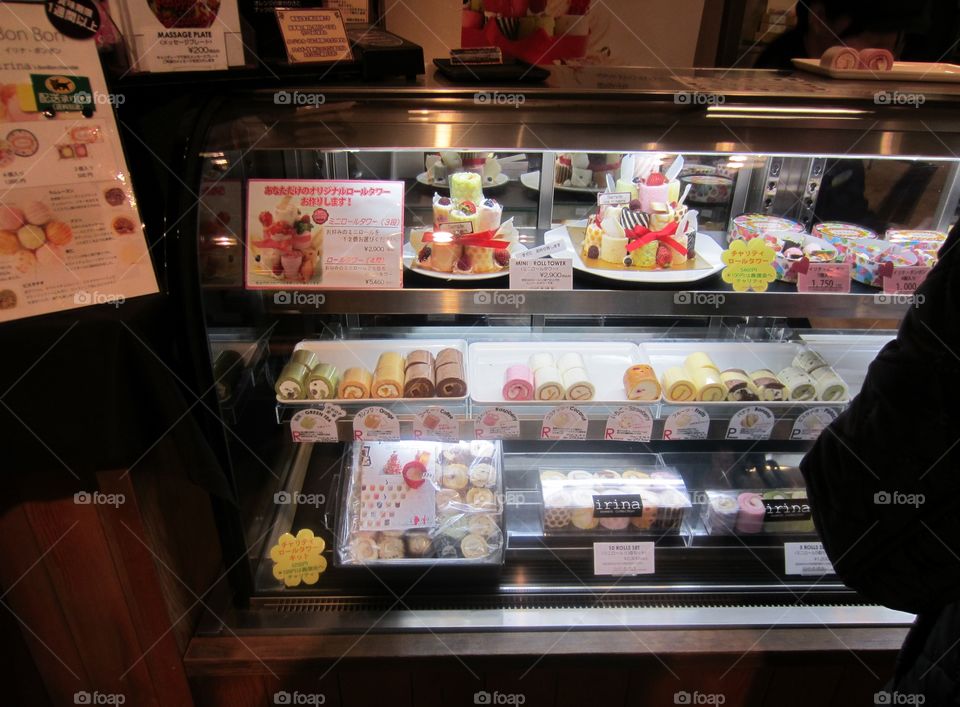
(839, 57)
(752, 511)
(519, 383)
(875, 59)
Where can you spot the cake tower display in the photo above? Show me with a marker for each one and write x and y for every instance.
(653, 231)
(468, 236)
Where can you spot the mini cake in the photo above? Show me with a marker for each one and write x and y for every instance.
(629, 236)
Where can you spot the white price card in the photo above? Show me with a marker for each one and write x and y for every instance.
(376, 423)
(317, 424)
(623, 559)
(566, 422)
(183, 49)
(496, 423)
(437, 424)
(753, 422)
(322, 234)
(629, 423)
(541, 274)
(806, 559)
(810, 423)
(687, 423)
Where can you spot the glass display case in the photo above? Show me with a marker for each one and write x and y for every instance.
(648, 422)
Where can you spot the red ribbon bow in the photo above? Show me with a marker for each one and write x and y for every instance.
(641, 235)
(481, 239)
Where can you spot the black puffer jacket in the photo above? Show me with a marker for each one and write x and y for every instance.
(884, 483)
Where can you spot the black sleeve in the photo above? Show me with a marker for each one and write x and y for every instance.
(884, 478)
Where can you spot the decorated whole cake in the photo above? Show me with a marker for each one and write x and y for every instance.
(467, 236)
(663, 237)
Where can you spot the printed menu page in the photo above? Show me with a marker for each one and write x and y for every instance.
(70, 233)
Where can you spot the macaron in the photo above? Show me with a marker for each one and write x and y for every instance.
(58, 233)
(37, 213)
(31, 237)
(9, 244)
(11, 218)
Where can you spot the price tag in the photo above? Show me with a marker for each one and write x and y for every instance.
(806, 559)
(298, 558)
(436, 423)
(541, 274)
(183, 49)
(749, 265)
(565, 422)
(753, 422)
(614, 198)
(345, 234)
(314, 36)
(376, 423)
(623, 559)
(687, 423)
(317, 424)
(905, 280)
(629, 424)
(496, 423)
(832, 278)
(810, 423)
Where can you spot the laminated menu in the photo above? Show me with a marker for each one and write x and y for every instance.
(409, 503)
(646, 501)
(70, 234)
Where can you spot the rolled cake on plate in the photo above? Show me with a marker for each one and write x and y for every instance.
(739, 386)
(752, 511)
(549, 384)
(710, 387)
(418, 380)
(840, 57)
(541, 360)
(578, 385)
(698, 359)
(291, 385)
(388, 377)
(677, 385)
(721, 513)
(641, 383)
(518, 383)
(305, 357)
(876, 59)
(808, 361)
(768, 385)
(829, 385)
(355, 384)
(569, 360)
(322, 381)
(800, 386)
(449, 376)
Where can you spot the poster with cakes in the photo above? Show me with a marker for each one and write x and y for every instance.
(70, 233)
(323, 234)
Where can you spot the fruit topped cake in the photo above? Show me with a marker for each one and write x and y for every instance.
(662, 238)
(467, 236)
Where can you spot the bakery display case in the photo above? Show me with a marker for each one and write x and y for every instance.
(511, 456)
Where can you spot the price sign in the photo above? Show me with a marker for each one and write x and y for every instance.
(629, 424)
(541, 274)
(687, 423)
(496, 423)
(436, 423)
(317, 424)
(905, 280)
(806, 559)
(376, 423)
(830, 278)
(623, 559)
(564, 423)
(749, 265)
(314, 36)
(810, 423)
(753, 422)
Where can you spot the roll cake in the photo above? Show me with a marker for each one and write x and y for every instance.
(305, 357)
(698, 359)
(808, 361)
(448, 374)
(569, 360)
(548, 384)
(518, 383)
(355, 384)
(829, 385)
(291, 385)
(800, 386)
(418, 380)
(577, 384)
(641, 383)
(540, 360)
(322, 381)
(740, 387)
(841, 58)
(389, 376)
(768, 386)
(751, 513)
(874, 59)
(721, 513)
(710, 387)
(672, 505)
(648, 515)
(677, 385)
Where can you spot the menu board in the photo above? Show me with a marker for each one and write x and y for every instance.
(70, 233)
(324, 234)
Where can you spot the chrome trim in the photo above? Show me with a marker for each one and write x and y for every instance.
(947, 205)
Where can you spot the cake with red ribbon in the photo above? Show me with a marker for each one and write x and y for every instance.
(660, 238)
(467, 236)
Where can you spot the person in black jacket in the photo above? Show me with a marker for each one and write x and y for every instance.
(884, 485)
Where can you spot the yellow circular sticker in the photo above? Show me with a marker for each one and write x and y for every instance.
(298, 558)
(749, 265)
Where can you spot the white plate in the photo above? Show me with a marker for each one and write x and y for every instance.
(707, 248)
(409, 257)
(531, 180)
(498, 181)
(364, 353)
(901, 71)
(605, 361)
(746, 355)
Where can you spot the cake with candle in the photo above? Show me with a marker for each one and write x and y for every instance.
(468, 236)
